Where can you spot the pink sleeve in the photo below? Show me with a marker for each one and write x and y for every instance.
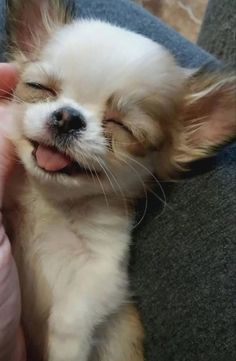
(11, 340)
(9, 299)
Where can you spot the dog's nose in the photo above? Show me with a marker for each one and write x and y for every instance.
(68, 119)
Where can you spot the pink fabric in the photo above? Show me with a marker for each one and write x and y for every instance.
(9, 300)
(11, 338)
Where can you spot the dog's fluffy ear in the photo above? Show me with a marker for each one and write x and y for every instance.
(31, 22)
(208, 116)
(207, 120)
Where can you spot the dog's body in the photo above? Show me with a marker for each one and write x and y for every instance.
(73, 255)
(98, 109)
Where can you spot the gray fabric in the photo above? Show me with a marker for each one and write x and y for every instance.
(127, 14)
(2, 29)
(183, 268)
(183, 260)
(218, 33)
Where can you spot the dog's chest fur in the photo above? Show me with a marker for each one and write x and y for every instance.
(60, 248)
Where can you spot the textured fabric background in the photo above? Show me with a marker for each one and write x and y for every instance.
(218, 35)
(2, 29)
(183, 258)
(127, 14)
(183, 268)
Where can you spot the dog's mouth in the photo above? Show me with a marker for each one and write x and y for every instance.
(53, 161)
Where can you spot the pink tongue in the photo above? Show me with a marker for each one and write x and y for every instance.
(50, 159)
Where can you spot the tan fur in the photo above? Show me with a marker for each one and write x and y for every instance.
(200, 119)
(121, 338)
(71, 233)
(124, 335)
(24, 93)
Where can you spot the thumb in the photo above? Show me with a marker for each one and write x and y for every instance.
(6, 148)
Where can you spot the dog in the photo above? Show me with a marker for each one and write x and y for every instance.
(98, 109)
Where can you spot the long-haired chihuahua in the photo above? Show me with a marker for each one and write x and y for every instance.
(98, 109)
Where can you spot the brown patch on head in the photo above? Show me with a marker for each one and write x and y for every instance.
(189, 126)
(129, 128)
(204, 119)
(165, 127)
(121, 139)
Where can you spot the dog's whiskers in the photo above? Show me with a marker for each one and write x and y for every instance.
(164, 200)
(99, 181)
(9, 96)
(124, 198)
(145, 192)
(105, 171)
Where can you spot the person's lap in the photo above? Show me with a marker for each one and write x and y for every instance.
(182, 264)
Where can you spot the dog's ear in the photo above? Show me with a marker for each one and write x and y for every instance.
(206, 120)
(31, 22)
(208, 115)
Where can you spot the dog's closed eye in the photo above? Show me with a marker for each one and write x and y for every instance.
(33, 92)
(118, 123)
(113, 122)
(38, 86)
(115, 117)
(120, 136)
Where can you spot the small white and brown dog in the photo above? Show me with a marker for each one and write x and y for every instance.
(98, 109)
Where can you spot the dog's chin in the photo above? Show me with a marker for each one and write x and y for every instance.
(74, 180)
(70, 174)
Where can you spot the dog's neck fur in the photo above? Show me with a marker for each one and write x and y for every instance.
(98, 211)
(90, 234)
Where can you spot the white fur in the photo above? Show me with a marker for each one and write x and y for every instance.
(72, 243)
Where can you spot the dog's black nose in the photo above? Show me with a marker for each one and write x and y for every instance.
(68, 119)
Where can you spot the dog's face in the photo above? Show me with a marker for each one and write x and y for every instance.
(84, 107)
(100, 108)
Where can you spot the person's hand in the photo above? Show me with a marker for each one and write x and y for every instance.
(11, 339)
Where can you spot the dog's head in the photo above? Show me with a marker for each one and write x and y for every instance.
(99, 108)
